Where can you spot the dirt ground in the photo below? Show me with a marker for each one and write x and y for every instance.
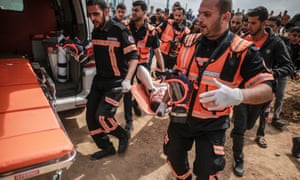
(144, 159)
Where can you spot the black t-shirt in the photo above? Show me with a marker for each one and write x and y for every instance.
(153, 21)
(113, 47)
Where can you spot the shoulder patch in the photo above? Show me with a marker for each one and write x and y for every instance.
(130, 39)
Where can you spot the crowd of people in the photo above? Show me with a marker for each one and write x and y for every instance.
(214, 62)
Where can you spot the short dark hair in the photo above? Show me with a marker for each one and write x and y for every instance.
(158, 10)
(224, 6)
(101, 3)
(121, 6)
(176, 4)
(259, 11)
(238, 14)
(275, 19)
(294, 29)
(180, 9)
(140, 3)
(194, 22)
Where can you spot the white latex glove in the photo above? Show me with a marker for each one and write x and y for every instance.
(222, 97)
(126, 85)
(162, 109)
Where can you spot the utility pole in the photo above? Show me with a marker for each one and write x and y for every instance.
(168, 2)
(114, 3)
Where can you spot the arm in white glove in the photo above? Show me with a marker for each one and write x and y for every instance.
(126, 85)
(222, 97)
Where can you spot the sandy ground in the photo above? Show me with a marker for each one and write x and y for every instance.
(144, 159)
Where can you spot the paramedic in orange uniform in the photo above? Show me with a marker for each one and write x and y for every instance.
(146, 37)
(225, 71)
(172, 33)
(116, 60)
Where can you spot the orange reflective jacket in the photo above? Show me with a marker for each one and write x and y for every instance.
(169, 34)
(143, 50)
(238, 48)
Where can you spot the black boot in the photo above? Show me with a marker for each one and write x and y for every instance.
(237, 148)
(296, 147)
(103, 153)
(123, 142)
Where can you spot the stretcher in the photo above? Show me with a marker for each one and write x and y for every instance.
(33, 140)
(16, 71)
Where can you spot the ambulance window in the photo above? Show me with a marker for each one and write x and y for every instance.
(12, 5)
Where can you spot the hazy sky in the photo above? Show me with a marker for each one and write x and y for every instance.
(293, 6)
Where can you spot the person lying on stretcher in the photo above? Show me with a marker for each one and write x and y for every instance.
(154, 93)
(178, 89)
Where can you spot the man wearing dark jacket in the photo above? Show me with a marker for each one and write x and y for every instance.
(277, 60)
(274, 23)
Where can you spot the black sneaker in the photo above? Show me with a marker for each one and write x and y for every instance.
(103, 153)
(136, 109)
(238, 168)
(123, 143)
(278, 125)
(296, 147)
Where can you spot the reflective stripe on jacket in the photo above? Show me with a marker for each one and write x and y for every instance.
(111, 45)
(186, 52)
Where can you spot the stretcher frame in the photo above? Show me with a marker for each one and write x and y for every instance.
(64, 157)
(56, 166)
